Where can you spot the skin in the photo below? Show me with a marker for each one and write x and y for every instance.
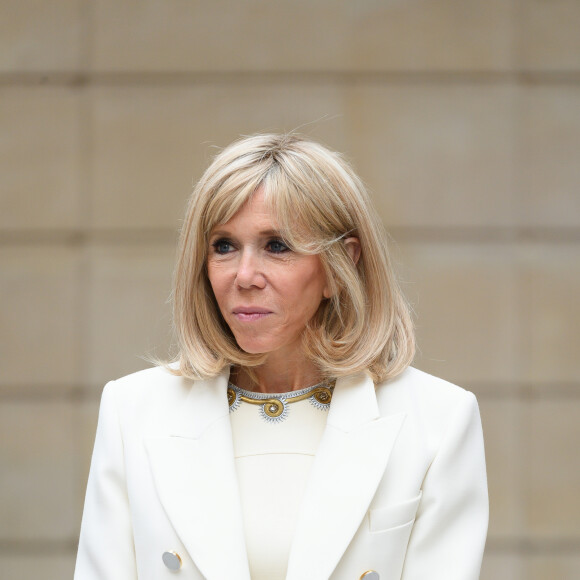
(267, 293)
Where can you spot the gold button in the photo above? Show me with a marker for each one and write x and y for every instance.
(172, 560)
(369, 575)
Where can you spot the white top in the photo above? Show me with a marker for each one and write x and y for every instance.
(273, 461)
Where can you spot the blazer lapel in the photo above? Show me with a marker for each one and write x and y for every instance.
(194, 472)
(347, 469)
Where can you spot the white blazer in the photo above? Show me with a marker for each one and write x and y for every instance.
(398, 484)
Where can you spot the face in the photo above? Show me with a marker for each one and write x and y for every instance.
(266, 292)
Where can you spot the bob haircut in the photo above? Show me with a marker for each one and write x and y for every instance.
(317, 201)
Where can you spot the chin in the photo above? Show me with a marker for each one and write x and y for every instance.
(253, 348)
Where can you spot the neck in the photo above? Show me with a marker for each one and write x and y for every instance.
(277, 378)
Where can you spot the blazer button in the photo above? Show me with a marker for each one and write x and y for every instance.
(369, 575)
(172, 560)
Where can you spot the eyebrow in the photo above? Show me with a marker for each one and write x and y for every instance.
(262, 233)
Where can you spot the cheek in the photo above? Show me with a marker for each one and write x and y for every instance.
(217, 279)
(305, 298)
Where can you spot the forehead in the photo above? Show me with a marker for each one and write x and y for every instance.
(255, 212)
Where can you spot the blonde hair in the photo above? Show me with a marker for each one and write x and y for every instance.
(318, 201)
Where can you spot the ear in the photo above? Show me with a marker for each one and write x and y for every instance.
(352, 246)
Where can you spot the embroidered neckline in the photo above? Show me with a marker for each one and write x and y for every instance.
(274, 407)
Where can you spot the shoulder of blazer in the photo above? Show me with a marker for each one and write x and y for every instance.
(150, 401)
(413, 383)
(428, 401)
(153, 384)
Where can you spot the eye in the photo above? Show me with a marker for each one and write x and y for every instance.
(222, 246)
(277, 246)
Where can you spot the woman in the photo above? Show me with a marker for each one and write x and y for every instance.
(290, 439)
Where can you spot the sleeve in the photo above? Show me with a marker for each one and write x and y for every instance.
(448, 537)
(106, 548)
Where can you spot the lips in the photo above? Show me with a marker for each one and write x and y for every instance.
(250, 313)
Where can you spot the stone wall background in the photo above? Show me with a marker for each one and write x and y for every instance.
(462, 116)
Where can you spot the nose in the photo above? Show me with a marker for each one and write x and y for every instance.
(250, 272)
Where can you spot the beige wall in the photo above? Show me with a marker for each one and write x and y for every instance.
(463, 117)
